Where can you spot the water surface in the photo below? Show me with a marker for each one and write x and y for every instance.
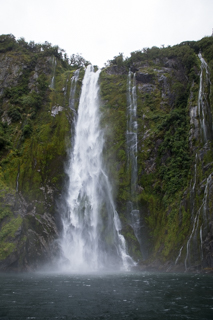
(106, 296)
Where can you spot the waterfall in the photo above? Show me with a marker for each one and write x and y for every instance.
(204, 110)
(200, 219)
(17, 179)
(195, 174)
(131, 140)
(72, 99)
(54, 62)
(192, 207)
(179, 255)
(195, 239)
(91, 238)
(201, 242)
(74, 80)
(132, 132)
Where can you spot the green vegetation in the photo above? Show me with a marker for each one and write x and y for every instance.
(165, 159)
(34, 142)
(174, 171)
(7, 232)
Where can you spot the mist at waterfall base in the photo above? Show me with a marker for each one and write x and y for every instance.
(110, 296)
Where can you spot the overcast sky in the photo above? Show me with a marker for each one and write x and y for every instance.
(100, 29)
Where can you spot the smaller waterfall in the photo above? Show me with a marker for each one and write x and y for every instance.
(192, 209)
(205, 214)
(179, 255)
(205, 118)
(132, 136)
(52, 84)
(195, 239)
(201, 242)
(195, 174)
(132, 142)
(54, 62)
(187, 259)
(73, 80)
(17, 179)
(193, 190)
(204, 110)
(72, 99)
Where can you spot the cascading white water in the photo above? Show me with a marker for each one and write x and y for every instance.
(131, 138)
(74, 80)
(195, 174)
(132, 126)
(91, 240)
(179, 255)
(204, 111)
(54, 62)
(201, 242)
(205, 117)
(195, 235)
(192, 206)
(187, 259)
(17, 179)
(72, 99)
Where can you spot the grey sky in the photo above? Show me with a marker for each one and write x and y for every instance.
(100, 29)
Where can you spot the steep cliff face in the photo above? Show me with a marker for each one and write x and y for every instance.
(35, 136)
(173, 194)
(174, 128)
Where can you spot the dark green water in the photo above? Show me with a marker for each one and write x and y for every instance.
(108, 296)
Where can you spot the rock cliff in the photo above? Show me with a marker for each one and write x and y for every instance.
(173, 197)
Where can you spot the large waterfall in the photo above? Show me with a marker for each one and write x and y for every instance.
(91, 238)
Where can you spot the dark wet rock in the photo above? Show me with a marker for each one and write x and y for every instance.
(147, 87)
(134, 69)
(34, 239)
(170, 63)
(150, 165)
(144, 77)
(119, 70)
